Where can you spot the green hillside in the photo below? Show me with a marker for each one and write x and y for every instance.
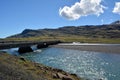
(109, 33)
(99, 31)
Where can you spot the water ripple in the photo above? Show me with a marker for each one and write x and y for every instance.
(92, 65)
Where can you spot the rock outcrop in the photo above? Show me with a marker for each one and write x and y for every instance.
(25, 49)
(42, 45)
(62, 76)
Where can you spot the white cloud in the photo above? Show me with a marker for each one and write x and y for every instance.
(82, 8)
(117, 8)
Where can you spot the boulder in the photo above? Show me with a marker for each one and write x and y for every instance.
(25, 49)
(62, 76)
(55, 76)
(66, 78)
(74, 75)
(42, 45)
(22, 58)
(53, 42)
(58, 70)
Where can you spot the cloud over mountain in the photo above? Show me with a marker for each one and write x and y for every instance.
(117, 8)
(82, 8)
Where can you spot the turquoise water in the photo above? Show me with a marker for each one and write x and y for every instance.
(91, 65)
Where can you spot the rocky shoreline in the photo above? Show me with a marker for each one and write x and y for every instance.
(18, 68)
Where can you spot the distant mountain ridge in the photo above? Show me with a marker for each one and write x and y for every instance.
(116, 22)
(97, 31)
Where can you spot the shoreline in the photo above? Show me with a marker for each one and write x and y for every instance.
(105, 48)
(18, 68)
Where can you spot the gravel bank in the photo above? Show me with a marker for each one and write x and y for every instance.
(106, 48)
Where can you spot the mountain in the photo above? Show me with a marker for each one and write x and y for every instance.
(116, 23)
(96, 31)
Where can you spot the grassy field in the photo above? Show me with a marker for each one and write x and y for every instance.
(67, 39)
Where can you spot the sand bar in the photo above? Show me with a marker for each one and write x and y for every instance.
(105, 48)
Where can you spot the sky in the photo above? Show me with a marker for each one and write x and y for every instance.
(17, 15)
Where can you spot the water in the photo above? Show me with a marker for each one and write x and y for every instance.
(91, 65)
(80, 44)
(12, 51)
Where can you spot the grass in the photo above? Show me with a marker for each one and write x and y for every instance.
(15, 68)
(68, 39)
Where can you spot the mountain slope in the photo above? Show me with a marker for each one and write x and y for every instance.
(100, 31)
(116, 22)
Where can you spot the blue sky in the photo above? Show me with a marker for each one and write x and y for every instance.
(17, 15)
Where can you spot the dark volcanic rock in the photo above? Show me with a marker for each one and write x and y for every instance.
(22, 58)
(25, 49)
(67, 78)
(55, 76)
(42, 45)
(62, 76)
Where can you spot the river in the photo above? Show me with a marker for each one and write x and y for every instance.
(86, 64)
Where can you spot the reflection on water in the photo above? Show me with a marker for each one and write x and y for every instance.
(13, 51)
(92, 65)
